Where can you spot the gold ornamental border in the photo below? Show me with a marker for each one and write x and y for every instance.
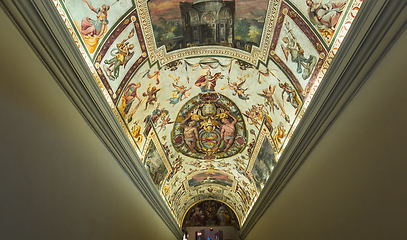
(163, 57)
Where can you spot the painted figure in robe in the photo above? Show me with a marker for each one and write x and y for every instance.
(223, 216)
(178, 94)
(128, 98)
(325, 15)
(93, 30)
(121, 56)
(304, 65)
(207, 82)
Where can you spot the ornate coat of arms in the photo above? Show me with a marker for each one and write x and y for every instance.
(209, 126)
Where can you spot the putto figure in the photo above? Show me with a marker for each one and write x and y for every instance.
(178, 94)
(237, 87)
(151, 95)
(268, 97)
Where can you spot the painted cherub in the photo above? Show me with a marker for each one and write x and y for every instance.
(164, 121)
(268, 97)
(292, 96)
(280, 134)
(151, 95)
(237, 87)
(157, 114)
(253, 117)
(178, 94)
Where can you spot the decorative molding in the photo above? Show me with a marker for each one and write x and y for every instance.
(374, 30)
(40, 23)
(376, 27)
(160, 54)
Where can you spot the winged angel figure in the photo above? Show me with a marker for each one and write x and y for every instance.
(268, 97)
(237, 87)
(178, 94)
(151, 95)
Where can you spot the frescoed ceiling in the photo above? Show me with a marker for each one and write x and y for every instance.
(209, 92)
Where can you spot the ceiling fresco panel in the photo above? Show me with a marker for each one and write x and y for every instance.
(324, 15)
(300, 55)
(212, 30)
(263, 164)
(210, 213)
(180, 24)
(155, 165)
(95, 19)
(210, 177)
(297, 49)
(122, 53)
(209, 93)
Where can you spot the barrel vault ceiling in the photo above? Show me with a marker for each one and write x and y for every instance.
(209, 93)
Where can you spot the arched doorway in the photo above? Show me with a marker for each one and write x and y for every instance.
(209, 234)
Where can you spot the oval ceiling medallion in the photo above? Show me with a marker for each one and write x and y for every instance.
(209, 126)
